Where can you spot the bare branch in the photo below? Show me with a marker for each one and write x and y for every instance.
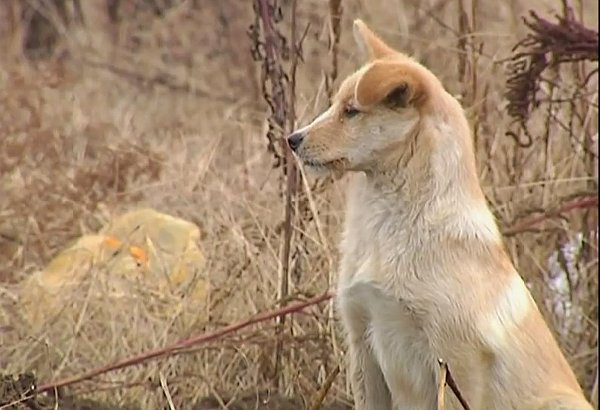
(579, 203)
(184, 344)
(449, 380)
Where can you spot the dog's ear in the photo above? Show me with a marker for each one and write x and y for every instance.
(392, 83)
(370, 46)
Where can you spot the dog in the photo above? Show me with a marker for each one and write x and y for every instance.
(424, 274)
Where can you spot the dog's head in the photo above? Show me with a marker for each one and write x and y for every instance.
(377, 109)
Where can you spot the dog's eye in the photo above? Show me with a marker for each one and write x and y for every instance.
(350, 111)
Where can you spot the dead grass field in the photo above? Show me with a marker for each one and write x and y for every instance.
(169, 114)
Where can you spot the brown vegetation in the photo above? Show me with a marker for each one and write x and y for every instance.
(123, 104)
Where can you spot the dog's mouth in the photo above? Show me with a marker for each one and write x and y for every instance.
(331, 164)
(317, 164)
(337, 166)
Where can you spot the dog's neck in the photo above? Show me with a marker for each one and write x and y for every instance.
(438, 194)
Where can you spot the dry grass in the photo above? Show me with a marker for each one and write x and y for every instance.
(171, 117)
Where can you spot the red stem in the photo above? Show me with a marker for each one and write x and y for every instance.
(580, 203)
(183, 344)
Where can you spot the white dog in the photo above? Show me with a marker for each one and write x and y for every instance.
(424, 274)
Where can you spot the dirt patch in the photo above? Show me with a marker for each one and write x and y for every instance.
(264, 401)
(18, 392)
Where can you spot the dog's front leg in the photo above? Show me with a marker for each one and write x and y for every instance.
(368, 384)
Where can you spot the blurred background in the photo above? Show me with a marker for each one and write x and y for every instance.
(145, 196)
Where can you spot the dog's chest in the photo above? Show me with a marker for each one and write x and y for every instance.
(379, 295)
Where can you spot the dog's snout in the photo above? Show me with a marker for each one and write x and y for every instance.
(295, 139)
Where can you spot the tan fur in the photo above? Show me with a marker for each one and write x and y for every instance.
(424, 274)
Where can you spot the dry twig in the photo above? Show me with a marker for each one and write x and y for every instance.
(449, 380)
(441, 399)
(165, 389)
(325, 388)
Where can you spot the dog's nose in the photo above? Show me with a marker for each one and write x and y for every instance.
(295, 139)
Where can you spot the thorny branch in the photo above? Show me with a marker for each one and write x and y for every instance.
(335, 17)
(547, 45)
(271, 48)
(279, 93)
